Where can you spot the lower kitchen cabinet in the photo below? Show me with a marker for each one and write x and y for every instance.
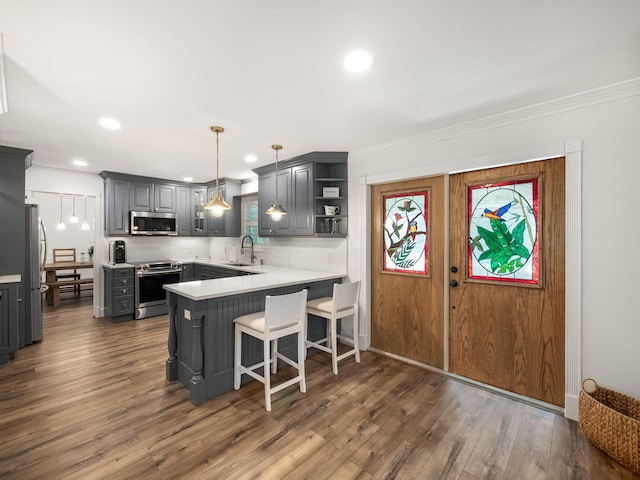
(8, 321)
(119, 298)
(207, 272)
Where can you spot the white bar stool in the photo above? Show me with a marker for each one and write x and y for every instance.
(343, 303)
(283, 315)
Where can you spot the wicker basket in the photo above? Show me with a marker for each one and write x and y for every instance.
(611, 421)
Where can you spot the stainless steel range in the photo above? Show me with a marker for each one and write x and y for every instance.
(150, 297)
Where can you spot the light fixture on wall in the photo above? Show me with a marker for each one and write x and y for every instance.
(73, 218)
(217, 205)
(276, 210)
(85, 224)
(61, 226)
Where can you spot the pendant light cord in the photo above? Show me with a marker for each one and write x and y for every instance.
(217, 164)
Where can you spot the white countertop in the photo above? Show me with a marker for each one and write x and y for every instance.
(10, 278)
(266, 277)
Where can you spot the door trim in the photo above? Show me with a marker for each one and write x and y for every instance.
(572, 151)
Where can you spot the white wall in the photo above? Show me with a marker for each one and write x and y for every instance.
(41, 179)
(608, 123)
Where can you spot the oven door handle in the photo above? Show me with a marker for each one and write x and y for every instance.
(149, 274)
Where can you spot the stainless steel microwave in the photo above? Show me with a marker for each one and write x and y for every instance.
(153, 223)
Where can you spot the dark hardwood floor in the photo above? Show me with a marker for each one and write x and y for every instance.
(91, 402)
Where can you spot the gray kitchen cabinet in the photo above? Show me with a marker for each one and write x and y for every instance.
(208, 272)
(183, 211)
(198, 216)
(228, 225)
(297, 192)
(187, 272)
(8, 321)
(267, 197)
(152, 197)
(13, 163)
(124, 193)
(302, 214)
(116, 206)
(119, 284)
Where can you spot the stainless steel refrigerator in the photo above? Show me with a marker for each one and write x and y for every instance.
(35, 254)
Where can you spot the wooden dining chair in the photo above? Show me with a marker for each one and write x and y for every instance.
(66, 255)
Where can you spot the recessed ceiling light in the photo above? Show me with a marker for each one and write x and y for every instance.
(79, 162)
(357, 61)
(188, 179)
(250, 158)
(109, 123)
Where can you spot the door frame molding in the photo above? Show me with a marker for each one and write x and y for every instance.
(572, 151)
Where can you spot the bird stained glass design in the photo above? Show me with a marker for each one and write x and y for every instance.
(503, 232)
(405, 233)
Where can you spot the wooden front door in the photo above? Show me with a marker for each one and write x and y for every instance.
(507, 334)
(408, 309)
(508, 331)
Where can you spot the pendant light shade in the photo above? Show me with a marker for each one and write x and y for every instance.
(61, 226)
(276, 211)
(217, 205)
(85, 224)
(73, 218)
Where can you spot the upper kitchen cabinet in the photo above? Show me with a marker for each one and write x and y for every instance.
(183, 210)
(197, 213)
(152, 197)
(306, 184)
(125, 193)
(116, 206)
(267, 197)
(227, 225)
(13, 163)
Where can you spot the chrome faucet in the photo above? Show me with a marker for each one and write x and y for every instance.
(253, 257)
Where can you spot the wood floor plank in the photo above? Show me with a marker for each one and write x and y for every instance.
(91, 402)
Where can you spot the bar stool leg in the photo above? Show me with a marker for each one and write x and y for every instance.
(334, 344)
(237, 359)
(267, 376)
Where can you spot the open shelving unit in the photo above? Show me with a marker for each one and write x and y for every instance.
(331, 174)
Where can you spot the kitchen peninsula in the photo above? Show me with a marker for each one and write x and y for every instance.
(201, 326)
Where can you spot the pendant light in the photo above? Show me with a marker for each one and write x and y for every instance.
(217, 205)
(276, 210)
(73, 218)
(85, 224)
(61, 226)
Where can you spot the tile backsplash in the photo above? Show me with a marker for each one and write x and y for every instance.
(326, 255)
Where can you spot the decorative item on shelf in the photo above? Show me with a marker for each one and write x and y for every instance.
(331, 210)
(276, 210)
(217, 205)
(61, 226)
(330, 192)
(90, 251)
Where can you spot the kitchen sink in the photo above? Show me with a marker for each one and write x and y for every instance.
(238, 264)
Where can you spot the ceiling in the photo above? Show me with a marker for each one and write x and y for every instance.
(272, 72)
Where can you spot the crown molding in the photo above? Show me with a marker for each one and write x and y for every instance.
(608, 93)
